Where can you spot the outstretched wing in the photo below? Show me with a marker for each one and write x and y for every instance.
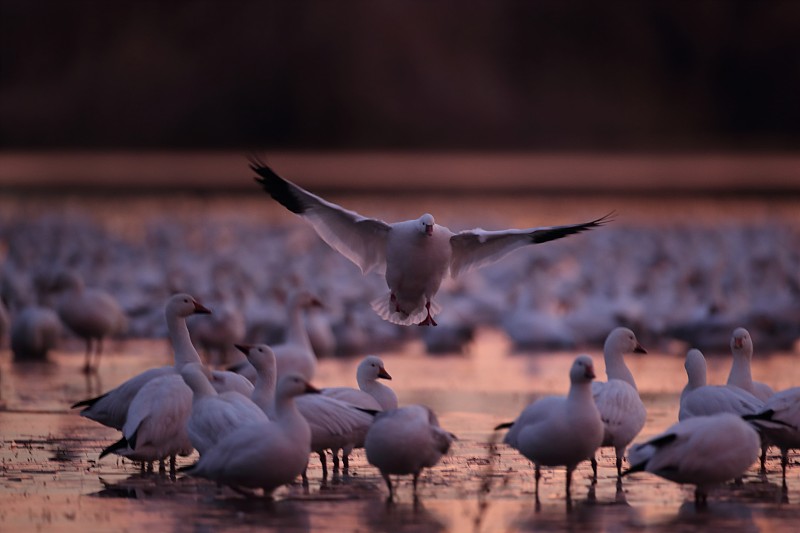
(360, 239)
(476, 248)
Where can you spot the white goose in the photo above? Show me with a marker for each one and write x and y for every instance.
(557, 430)
(700, 399)
(741, 376)
(334, 424)
(703, 450)
(111, 408)
(782, 407)
(266, 454)
(215, 415)
(404, 441)
(155, 427)
(414, 255)
(370, 395)
(618, 401)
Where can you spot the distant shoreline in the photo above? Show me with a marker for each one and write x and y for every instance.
(468, 172)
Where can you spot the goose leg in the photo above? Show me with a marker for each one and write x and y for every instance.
(619, 465)
(429, 321)
(305, 477)
(389, 484)
(784, 464)
(335, 460)
(172, 470)
(87, 361)
(569, 482)
(594, 469)
(324, 461)
(97, 353)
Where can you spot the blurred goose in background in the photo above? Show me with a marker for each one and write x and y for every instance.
(557, 430)
(34, 332)
(618, 401)
(295, 354)
(92, 314)
(414, 255)
(703, 450)
(215, 334)
(266, 454)
(700, 399)
(111, 408)
(334, 424)
(405, 440)
(215, 415)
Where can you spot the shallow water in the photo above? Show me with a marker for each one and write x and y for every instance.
(51, 477)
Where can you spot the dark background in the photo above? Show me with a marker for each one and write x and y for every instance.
(527, 75)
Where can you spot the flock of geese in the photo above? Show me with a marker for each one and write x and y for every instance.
(255, 426)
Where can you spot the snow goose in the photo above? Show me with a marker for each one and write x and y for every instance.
(263, 455)
(783, 407)
(111, 408)
(700, 399)
(703, 450)
(740, 374)
(405, 440)
(557, 430)
(215, 415)
(91, 313)
(34, 332)
(334, 424)
(618, 401)
(370, 395)
(295, 354)
(155, 427)
(414, 255)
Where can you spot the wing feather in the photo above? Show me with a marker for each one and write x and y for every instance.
(476, 248)
(360, 239)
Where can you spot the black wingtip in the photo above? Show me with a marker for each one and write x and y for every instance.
(504, 425)
(87, 403)
(635, 468)
(187, 469)
(276, 186)
(119, 445)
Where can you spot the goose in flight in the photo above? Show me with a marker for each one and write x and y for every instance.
(414, 255)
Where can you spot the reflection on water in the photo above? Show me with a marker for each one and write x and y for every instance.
(49, 457)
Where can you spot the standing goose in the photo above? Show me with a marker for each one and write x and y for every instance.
(215, 415)
(92, 314)
(155, 427)
(703, 450)
(265, 454)
(111, 408)
(618, 401)
(414, 255)
(557, 430)
(334, 424)
(370, 395)
(741, 376)
(405, 440)
(700, 399)
(783, 407)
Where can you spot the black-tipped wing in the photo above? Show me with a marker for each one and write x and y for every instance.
(360, 239)
(477, 247)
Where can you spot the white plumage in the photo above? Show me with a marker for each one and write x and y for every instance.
(405, 440)
(617, 399)
(703, 450)
(266, 454)
(414, 255)
(557, 430)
